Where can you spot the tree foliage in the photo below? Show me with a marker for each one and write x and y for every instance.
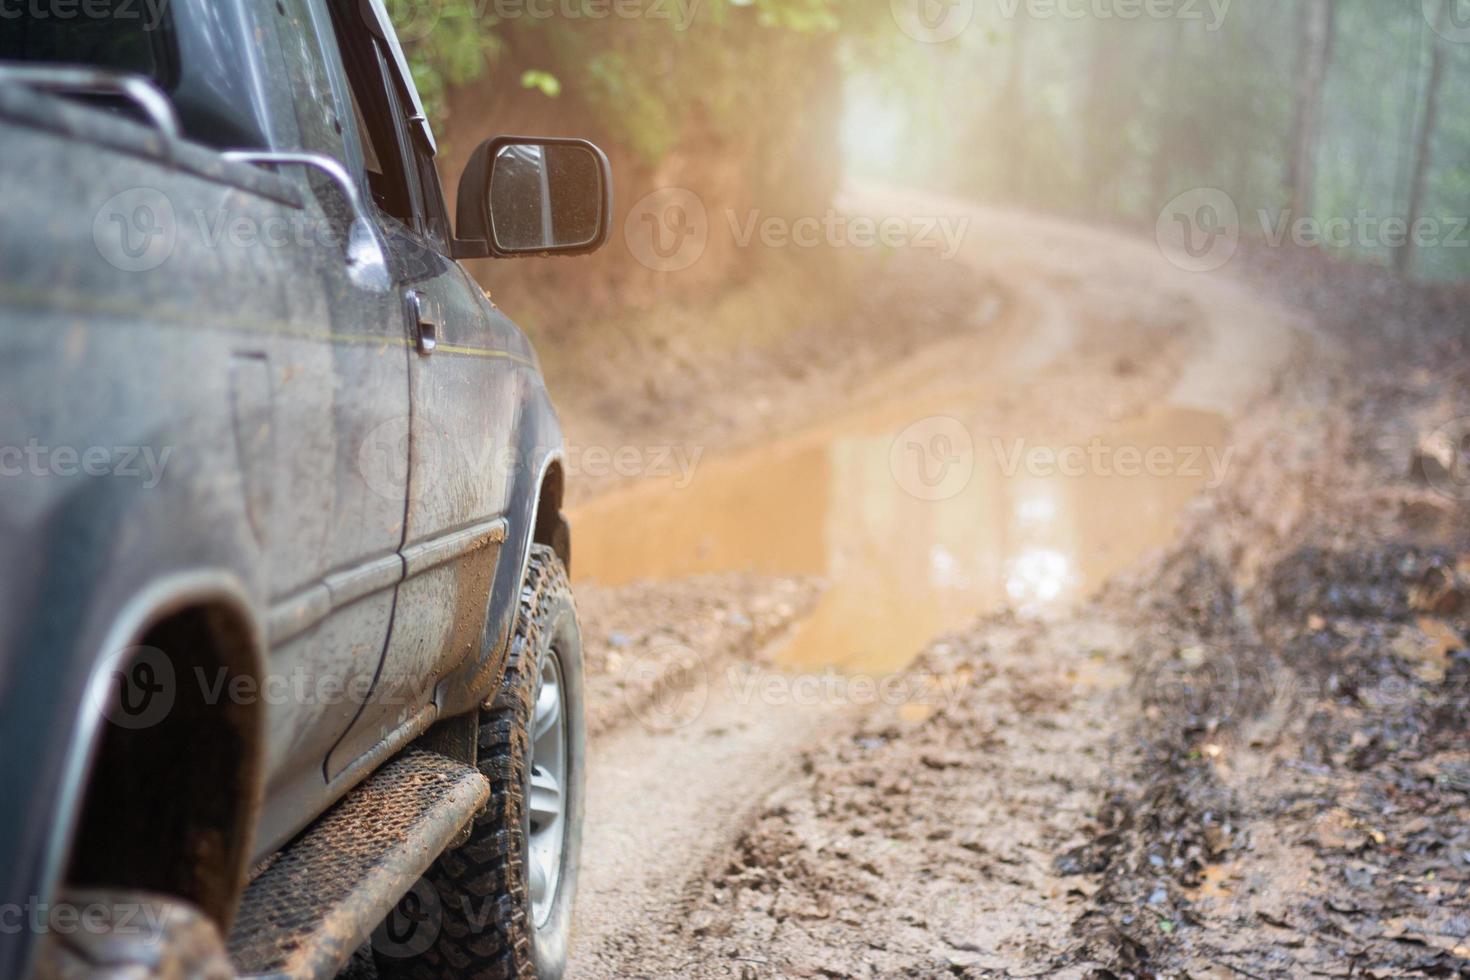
(647, 75)
(1098, 116)
(1114, 118)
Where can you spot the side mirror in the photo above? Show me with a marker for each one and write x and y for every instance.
(533, 196)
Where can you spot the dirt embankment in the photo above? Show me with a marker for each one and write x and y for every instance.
(1248, 758)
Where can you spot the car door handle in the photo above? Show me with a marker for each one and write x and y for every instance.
(423, 313)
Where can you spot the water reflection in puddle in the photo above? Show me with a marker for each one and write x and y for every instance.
(916, 527)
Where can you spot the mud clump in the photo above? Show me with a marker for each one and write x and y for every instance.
(1299, 802)
(1388, 583)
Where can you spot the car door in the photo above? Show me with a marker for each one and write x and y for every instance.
(462, 377)
(330, 628)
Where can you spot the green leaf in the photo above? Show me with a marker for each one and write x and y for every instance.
(545, 81)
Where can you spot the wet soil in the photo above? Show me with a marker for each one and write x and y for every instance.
(640, 639)
(1246, 755)
(1083, 338)
(1235, 744)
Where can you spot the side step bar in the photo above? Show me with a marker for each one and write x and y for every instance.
(322, 896)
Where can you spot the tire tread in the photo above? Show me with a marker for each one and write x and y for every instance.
(498, 946)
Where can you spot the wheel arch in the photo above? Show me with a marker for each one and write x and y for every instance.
(551, 527)
(206, 754)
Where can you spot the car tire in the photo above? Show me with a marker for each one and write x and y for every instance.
(497, 915)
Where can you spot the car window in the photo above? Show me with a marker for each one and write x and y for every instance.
(306, 55)
(374, 111)
(371, 162)
(138, 44)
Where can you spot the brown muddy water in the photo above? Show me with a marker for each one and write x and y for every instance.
(916, 517)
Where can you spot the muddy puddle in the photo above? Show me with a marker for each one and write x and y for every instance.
(917, 518)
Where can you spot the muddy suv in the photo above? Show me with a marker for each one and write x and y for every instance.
(288, 656)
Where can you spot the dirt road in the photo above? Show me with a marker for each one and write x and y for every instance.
(755, 699)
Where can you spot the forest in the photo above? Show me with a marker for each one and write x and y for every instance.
(1325, 121)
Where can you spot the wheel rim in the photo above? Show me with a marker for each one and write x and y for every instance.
(546, 798)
